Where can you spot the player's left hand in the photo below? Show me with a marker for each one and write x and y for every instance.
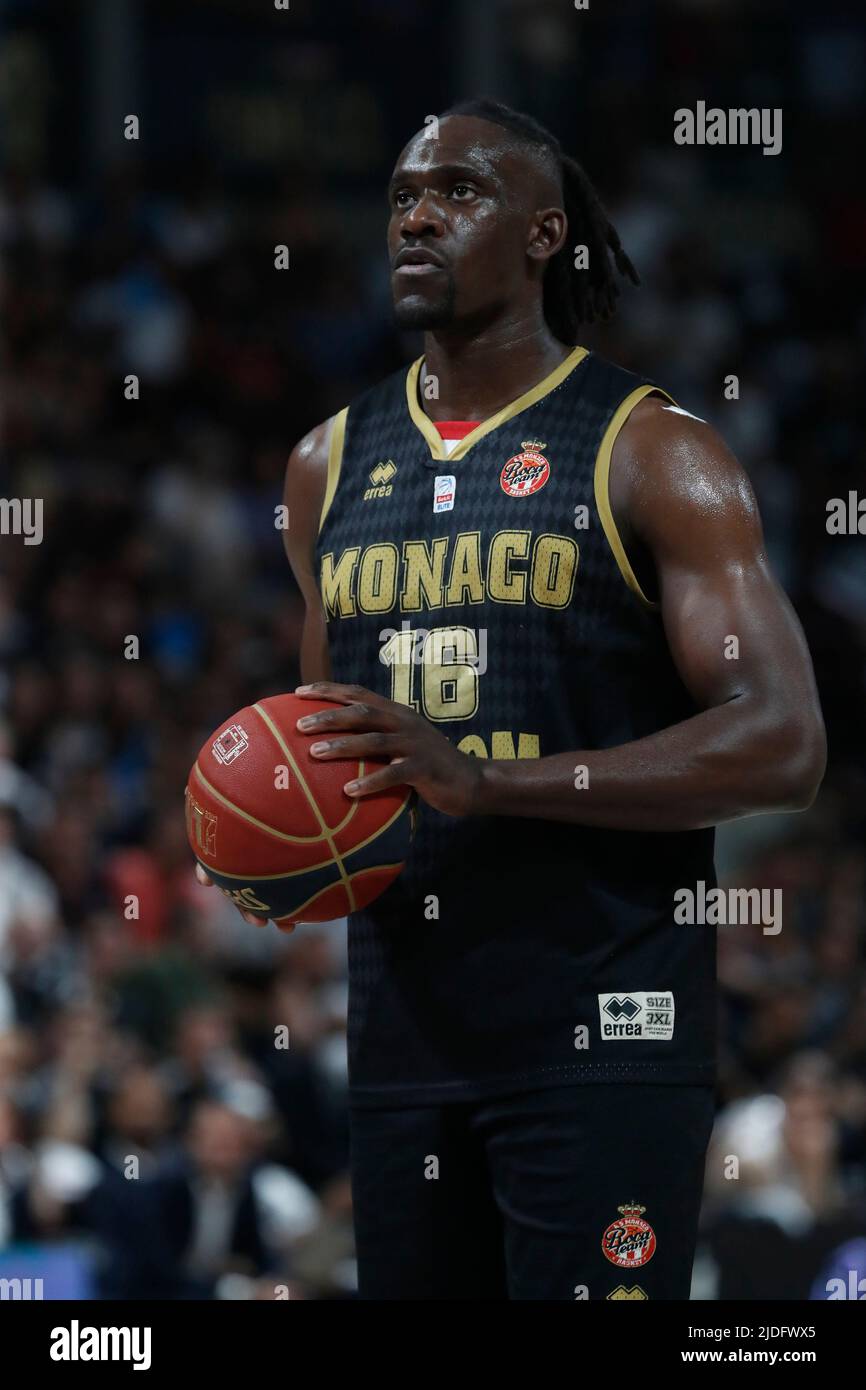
(369, 726)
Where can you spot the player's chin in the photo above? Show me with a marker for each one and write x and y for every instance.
(423, 311)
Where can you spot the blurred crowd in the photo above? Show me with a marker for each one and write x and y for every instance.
(137, 1010)
(151, 1122)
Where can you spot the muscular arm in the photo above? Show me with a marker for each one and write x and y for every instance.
(303, 495)
(758, 742)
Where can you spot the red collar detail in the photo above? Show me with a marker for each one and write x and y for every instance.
(455, 429)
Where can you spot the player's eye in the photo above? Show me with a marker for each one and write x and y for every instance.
(402, 198)
(462, 191)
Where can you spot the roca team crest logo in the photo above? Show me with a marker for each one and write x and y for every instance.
(629, 1242)
(526, 472)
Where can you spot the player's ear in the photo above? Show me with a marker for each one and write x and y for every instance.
(547, 233)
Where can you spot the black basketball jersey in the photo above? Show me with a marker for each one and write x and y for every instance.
(490, 591)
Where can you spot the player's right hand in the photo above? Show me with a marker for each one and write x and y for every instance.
(207, 882)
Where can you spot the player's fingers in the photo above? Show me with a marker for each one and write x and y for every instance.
(202, 877)
(359, 716)
(376, 745)
(340, 694)
(396, 775)
(287, 927)
(253, 920)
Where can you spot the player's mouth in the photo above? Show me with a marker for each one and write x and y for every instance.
(416, 262)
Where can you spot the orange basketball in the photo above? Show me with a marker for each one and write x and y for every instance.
(273, 827)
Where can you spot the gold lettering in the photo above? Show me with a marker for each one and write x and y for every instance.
(474, 745)
(377, 578)
(374, 583)
(423, 572)
(337, 584)
(502, 745)
(502, 585)
(246, 898)
(465, 582)
(554, 565)
(202, 824)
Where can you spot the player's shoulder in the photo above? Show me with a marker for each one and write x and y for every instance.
(664, 450)
(312, 449)
(306, 479)
(674, 481)
(657, 423)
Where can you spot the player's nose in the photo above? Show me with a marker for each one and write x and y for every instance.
(425, 216)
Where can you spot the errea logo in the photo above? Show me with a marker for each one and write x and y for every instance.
(380, 477)
(622, 1008)
(639, 1016)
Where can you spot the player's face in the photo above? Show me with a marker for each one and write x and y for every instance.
(458, 230)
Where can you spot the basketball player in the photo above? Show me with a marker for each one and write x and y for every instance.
(538, 589)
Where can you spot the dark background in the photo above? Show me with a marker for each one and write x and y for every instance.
(152, 1038)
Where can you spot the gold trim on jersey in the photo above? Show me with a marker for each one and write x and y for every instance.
(536, 393)
(602, 482)
(335, 459)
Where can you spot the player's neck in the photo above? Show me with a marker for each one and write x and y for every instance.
(478, 374)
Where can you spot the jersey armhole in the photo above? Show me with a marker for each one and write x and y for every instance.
(602, 487)
(335, 460)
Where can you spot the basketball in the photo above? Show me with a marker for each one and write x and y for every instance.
(273, 827)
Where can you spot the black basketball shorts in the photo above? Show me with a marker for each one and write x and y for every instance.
(564, 1193)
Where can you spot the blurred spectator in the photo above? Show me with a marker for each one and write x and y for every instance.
(779, 1196)
(219, 1210)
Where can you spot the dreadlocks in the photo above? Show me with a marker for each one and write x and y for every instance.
(571, 297)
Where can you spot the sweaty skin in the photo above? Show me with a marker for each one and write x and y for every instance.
(758, 743)
(683, 506)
